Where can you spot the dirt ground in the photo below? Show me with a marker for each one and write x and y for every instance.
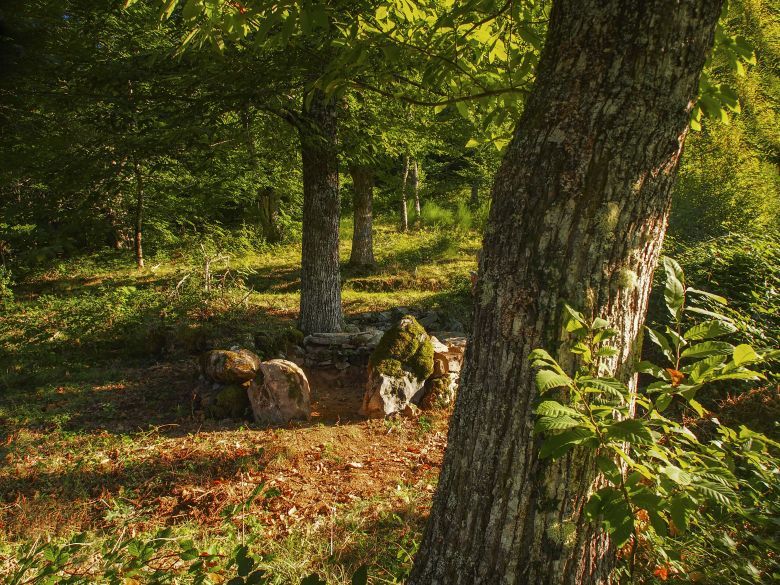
(135, 456)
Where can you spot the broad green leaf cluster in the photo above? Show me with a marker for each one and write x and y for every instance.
(667, 463)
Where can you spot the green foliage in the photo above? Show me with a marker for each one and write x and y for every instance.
(665, 478)
(161, 558)
(746, 267)
(433, 215)
(6, 290)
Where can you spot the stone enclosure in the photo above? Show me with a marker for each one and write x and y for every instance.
(388, 361)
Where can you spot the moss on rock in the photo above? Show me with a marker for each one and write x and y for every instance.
(275, 341)
(404, 347)
(231, 402)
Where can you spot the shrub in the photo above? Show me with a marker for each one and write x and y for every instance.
(481, 215)
(433, 215)
(681, 495)
(6, 292)
(463, 218)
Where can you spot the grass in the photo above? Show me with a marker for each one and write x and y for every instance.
(97, 433)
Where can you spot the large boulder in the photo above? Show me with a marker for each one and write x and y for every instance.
(230, 402)
(228, 366)
(280, 393)
(397, 369)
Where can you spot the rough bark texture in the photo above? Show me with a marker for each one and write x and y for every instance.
(416, 189)
(404, 212)
(320, 277)
(139, 216)
(362, 232)
(579, 211)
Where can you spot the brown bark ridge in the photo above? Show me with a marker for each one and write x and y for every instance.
(362, 231)
(579, 211)
(404, 212)
(320, 277)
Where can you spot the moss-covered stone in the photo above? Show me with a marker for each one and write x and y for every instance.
(271, 343)
(231, 402)
(404, 347)
(229, 367)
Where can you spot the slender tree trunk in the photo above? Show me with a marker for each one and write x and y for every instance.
(416, 189)
(267, 200)
(362, 232)
(139, 216)
(474, 200)
(320, 277)
(404, 213)
(580, 207)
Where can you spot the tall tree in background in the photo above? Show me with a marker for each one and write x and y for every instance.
(362, 231)
(579, 211)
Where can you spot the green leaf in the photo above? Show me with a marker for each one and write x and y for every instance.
(463, 109)
(679, 507)
(706, 313)
(717, 298)
(547, 380)
(553, 408)
(663, 401)
(645, 367)
(677, 475)
(716, 492)
(555, 423)
(707, 348)
(709, 330)
(630, 430)
(744, 354)
(573, 319)
(556, 445)
(361, 576)
(674, 292)
(661, 341)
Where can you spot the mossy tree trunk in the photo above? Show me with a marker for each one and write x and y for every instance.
(320, 277)
(579, 211)
(362, 231)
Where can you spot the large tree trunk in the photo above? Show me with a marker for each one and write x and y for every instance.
(404, 212)
(580, 206)
(362, 231)
(139, 216)
(416, 189)
(320, 277)
(267, 199)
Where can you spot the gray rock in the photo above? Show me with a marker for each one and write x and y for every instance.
(351, 328)
(386, 395)
(229, 367)
(280, 393)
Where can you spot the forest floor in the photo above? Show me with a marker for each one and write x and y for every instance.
(97, 433)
